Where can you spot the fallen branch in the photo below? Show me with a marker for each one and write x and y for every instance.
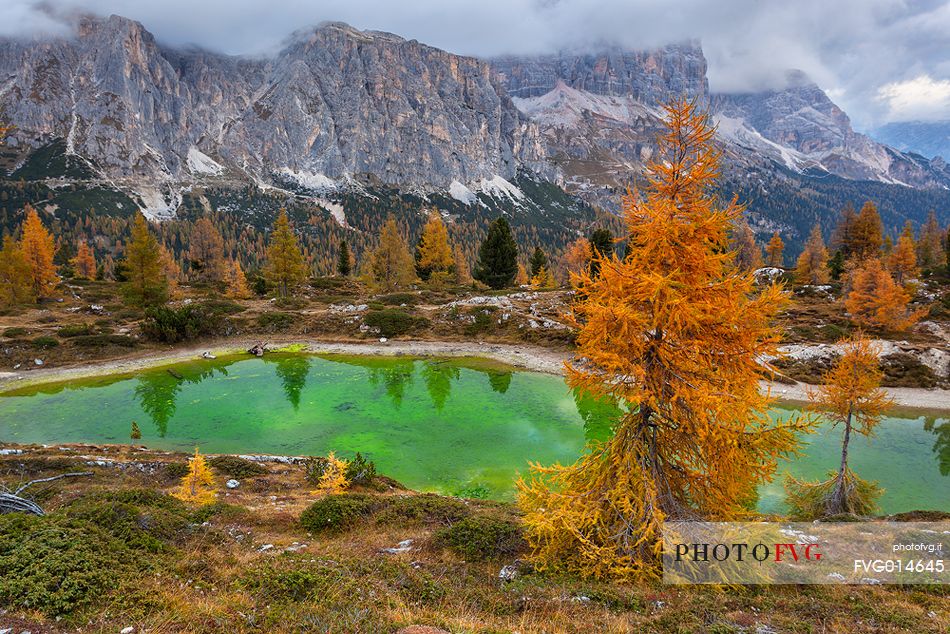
(13, 503)
(50, 479)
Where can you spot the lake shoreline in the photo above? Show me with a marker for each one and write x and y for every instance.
(523, 357)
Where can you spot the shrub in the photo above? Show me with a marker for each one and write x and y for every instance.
(360, 470)
(398, 299)
(336, 513)
(101, 341)
(275, 321)
(291, 584)
(482, 537)
(291, 303)
(392, 322)
(906, 370)
(427, 507)
(175, 470)
(236, 467)
(45, 342)
(171, 325)
(16, 331)
(75, 330)
(221, 307)
(53, 566)
(314, 467)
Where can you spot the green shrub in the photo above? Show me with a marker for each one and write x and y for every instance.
(175, 470)
(291, 303)
(481, 537)
(376, 306)
(206, 511)
(45, 342)
(221, 307)
(54, 566)
(16, 331)
(314, 467)
(360, 470)
(75, 330)
(236, 467)
(392, 322)
(275, 321)
(336, 513)
(171, 325)
(398, 299)
(296, 583)
(101, 341)
(427, 507)
(328, 283)
(140, 519)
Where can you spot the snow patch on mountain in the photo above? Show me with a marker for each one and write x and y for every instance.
(157, 205)
(736, 131)
(200, 163)
(565, 107)
(313, 181)
(498, 187)
(461, 193)
(336, 210)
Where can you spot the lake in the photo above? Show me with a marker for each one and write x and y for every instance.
(458, 426)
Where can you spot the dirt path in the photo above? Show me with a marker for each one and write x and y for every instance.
(521, 356)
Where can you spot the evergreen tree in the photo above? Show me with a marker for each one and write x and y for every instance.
(146, 283)
(497, 263)
(602, 247)
(37, 247)
(344, 265)
(391, 266)
(812, 265)
(929, 247)
(285, 269)
(775, 251)
(538, 261)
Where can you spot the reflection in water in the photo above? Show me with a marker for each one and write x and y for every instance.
(941, 444)
(499, 381)
(396, 377)
(438, 377)
(600, 414)
(156, 394)
(292, 372)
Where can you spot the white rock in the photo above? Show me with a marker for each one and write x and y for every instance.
(207, 355)
(383, 340)
(38, 361)
(232, 484)
(508, 573)
(127, 630)
(401, 547)
(265, 548)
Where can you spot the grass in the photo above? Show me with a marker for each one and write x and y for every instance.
(137, 557)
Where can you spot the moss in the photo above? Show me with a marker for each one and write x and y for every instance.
(236, 467)
(336, 513)
(175, 470)
(482, 537)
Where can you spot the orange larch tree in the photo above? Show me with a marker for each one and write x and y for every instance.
(434, 253)
(902, 260)
(675, 332)
(748, 253)
(876, 300)
(85, 262)
(38, 248)
(812, 265)
(775, 251)
(576, 257)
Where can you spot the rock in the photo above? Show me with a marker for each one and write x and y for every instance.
(232, 484)
(265, 548)
(422, 629)
(10, 452)
(836, 576)
(508, 573)
(38, 361)
(127, 630)
(580, 599)
(383, 340)
(207, 355)
(403, 546)
(6, 630)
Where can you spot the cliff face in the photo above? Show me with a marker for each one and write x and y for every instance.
(335, 103)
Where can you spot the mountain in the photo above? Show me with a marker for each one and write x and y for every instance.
(928, 138)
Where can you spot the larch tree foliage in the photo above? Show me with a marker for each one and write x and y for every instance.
(866, 235)
(876, 300)
(902, 260)
(522, 278)
(391, 265)
(206, 253)
(16, 283)
(577, 257)
(197, 486)
(850, 396)
(236, 284)
(434, 253)
(929, 247)
(38, 248)
(285, 269)
(673, 330)
(146, 281)
(812, 265)
(84, 263)
(748, 254)
(463, 274)
(537, 261)
(843, 235)
(543, 280)
(344, 260)
(775, 251)
(497, 263)
(333, 481)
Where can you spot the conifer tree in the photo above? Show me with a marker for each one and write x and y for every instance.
(333, 481)
(543, 280)
(850, 396)
(577, 257)
(602, 246)
(876, 300)
(522, 278)
(902, 261)
(391, 266)
(538, 261)
(497, 263)
(748, 255)
(812, 267)
(434, 254)
(929, 247)
(206, 253)
(85, 262)
(135, 433)
(285, 269)
(197, 486)
(37, 247)
(775, 251)
(685, 330)
(344, 264)
(463, 275)
(842, 237)
(146, 283)
(867, 234)
(170, 269)
(16, 283)
(236, 282)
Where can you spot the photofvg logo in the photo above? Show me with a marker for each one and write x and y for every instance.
(806, 553)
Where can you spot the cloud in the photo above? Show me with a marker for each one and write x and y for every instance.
(854, 48)
(922, 97)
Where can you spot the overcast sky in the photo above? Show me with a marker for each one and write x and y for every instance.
(881, 60)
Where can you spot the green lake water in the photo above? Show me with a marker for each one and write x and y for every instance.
(457, 426)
